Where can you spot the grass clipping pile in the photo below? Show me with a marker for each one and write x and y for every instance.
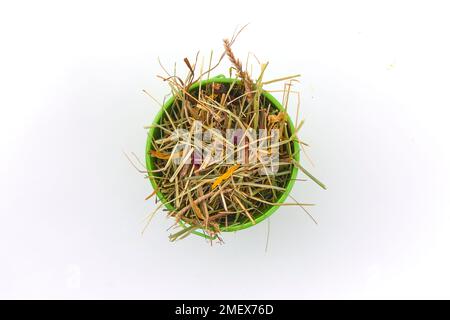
(215, 194)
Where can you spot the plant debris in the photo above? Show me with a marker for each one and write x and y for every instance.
(199, 180)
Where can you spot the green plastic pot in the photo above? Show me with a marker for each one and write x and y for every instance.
(155, 131)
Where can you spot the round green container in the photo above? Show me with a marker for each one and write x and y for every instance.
(239, 226)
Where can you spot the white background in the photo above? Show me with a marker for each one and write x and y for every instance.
(375, 96)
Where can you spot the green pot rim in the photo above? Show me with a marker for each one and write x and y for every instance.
(271, 209)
